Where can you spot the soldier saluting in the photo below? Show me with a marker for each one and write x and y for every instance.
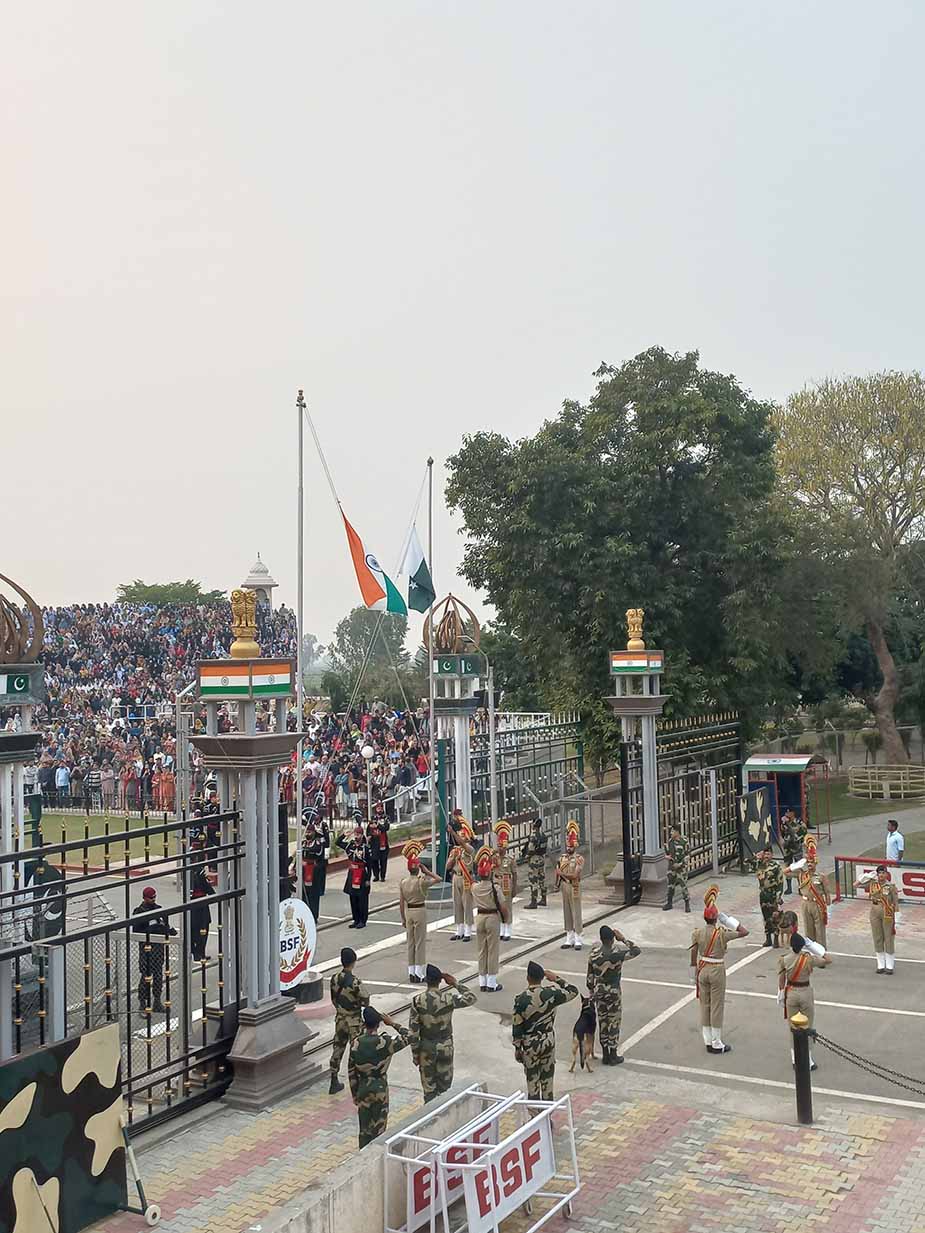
(367, 1069)
(533, 1028)
(535, 852)
(677, 851)
(412, 905)
(884, 905)
(605, 972)
(814, 891)
(770, 893)
(348, 997)
(459, 863)
(708, 964)
(506, 874)
(431, 1029)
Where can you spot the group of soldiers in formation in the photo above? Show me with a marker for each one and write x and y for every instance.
(484, 885)
(803, 952)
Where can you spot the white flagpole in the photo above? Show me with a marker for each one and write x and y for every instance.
(300, 681)
(430, 668)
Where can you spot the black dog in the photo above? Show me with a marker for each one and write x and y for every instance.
(583, 1036)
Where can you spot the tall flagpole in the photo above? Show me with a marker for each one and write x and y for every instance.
(430, 667)
(300, 681)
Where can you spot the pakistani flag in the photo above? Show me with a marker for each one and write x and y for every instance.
(421, 593)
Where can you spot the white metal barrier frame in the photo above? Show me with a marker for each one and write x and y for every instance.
(512, 1173)
(494, 1177)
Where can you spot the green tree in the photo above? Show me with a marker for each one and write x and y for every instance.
(659, 493)
(851, 454)
(354, 644)
(161, 593)
(515, 671)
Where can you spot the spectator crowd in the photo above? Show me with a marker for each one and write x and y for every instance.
(112, 672)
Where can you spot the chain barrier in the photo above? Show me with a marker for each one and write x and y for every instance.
(879, 1071)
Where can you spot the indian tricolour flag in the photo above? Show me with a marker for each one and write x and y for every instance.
(377, 588)
(265, 678)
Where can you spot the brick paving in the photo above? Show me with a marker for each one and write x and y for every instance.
(648, 1166)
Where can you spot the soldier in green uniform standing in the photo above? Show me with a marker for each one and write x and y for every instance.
(677, 851)
(533, 1029)
(535, 852)
(792, 834)
(370, 1055)
(770, 894)
(348, 997)
(605, 972)
(431, 1029)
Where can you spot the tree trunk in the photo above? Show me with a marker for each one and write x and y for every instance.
(884, 703)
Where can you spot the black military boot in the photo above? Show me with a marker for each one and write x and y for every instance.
(767, 938)
(529, 907)
(790, 886)
(667, 907)
(687, 905)
(543, 898)
(336, 1085)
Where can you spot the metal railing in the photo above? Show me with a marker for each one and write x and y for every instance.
(888, 783)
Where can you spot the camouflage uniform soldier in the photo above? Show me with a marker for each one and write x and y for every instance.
(535, 852)
(677, 869)
(605, 971)
(533, 1028)
(431, 1029)
(348, 998)
(770, 892)
(370, 1055)
(792, 834)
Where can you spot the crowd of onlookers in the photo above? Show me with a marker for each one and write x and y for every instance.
(112, 672)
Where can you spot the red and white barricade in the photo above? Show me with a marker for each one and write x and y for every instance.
(474, 1177)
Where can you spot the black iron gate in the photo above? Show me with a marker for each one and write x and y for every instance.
(81, 945)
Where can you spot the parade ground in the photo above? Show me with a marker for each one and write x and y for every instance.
(674, 1139)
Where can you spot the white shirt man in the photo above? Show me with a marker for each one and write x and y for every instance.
(895, 844)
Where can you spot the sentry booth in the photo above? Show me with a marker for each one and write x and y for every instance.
(514, 1152)
(794, 781)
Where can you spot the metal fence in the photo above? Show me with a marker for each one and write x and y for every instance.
(531, 767)
(77, 949)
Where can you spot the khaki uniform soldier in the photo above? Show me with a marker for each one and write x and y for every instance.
(884, 908)
(370, 1055)
(770, 892)
(412, 905)
(708, 968)
(535, 852)
(459, 863)
(431, 1029)
(605, 973)
(677, 852)
(568, 880)
(506, 875)
(533, 1028)
(814, 891)
(490, 915)
(348, 997)
(794, 968)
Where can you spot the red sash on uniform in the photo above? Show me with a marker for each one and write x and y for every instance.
(357, 869)
(308, 871)
(797, 969)
(820, 900)
(886, 903)
(706, 954)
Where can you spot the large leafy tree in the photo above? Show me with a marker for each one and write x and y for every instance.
(368, 658)
(515, 672)
(161, 593)
(658, 493)
(851, 454)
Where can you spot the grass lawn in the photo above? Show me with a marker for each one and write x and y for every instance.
(915, 848)
(845, 807)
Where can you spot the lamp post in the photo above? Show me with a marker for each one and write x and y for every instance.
(368, 754)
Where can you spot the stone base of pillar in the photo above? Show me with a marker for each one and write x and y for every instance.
(616, 886)
(654, 880)
(267, 1056)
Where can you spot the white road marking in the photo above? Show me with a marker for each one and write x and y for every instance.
(388, 984)
(648, 1028)
(731, 1078)
(750, 993)
(842, 954)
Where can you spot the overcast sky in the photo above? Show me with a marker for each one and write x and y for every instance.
(437, 218)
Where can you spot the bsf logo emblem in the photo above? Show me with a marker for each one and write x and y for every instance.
(297, 938)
